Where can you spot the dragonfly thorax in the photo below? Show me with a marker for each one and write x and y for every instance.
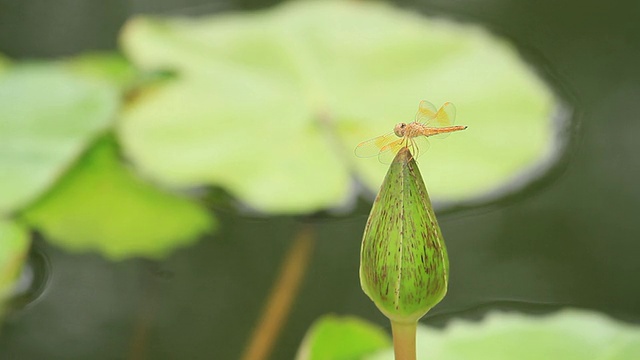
(408, 130)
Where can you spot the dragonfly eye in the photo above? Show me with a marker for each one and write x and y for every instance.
(399, 129)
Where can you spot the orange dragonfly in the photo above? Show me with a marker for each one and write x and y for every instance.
(428, 122)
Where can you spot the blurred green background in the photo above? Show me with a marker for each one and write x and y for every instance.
(571, 239)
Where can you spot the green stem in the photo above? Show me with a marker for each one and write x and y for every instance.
(404, 340)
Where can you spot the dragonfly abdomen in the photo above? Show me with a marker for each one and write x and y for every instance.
(430, 131)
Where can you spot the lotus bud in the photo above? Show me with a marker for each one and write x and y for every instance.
(404, 267)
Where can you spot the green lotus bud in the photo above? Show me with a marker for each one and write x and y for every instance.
(404, 267)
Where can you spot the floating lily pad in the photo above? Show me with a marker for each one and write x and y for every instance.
(567, 335)
(270, 105)
(4, 63)
(14, 246)
(342, 338)
(102, 206)
(48, 115)
(112, 68)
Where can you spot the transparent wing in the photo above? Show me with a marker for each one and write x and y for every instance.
(373, 147)
(389, 151)
(419, 145)
(426, 112)
(446, 116)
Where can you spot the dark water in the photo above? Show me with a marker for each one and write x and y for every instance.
(571, 239)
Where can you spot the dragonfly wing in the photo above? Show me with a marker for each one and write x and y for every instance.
(373, 147)
(389, 151)
(426, 112)
(446, 116)
(419, 145)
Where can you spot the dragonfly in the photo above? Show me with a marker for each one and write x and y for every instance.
(428, 122)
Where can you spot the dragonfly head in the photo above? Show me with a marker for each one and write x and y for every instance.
(399, 129)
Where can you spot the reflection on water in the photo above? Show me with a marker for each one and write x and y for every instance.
(479, 310)
(31, 282)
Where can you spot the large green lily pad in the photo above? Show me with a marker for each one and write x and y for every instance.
(101, 205)
(342, 338)
(270, 105)
(48, 115)
(112, 68)
(566, 335)
(4, 63)
(14, 246)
